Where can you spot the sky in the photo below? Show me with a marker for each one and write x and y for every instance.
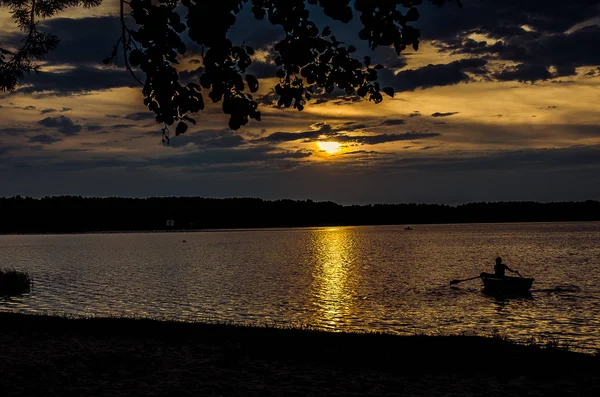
(501, 102)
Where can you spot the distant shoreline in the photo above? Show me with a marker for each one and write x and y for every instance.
(44, 355)
(266, 228)
(70, 214)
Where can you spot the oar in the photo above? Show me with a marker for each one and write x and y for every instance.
(460, 281)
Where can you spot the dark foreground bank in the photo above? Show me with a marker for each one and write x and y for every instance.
(50, 356)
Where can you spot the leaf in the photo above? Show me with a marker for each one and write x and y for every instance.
(367, 61)
(389, 91)
(326, 31)
(351, 49)
(252, 82)
(412, 15)
(181, 128)
(191, 120)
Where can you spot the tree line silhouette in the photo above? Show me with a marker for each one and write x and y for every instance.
(73, 214)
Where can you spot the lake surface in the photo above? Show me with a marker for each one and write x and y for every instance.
(380, 278)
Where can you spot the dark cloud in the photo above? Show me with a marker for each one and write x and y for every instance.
(14, 131)
(209, 139)
(66, 109)
(93, 127)
(44, 139)
(356, 152)
(524, 73)
(415, 114)
(547, 49)
(82, 40)
(314, 133)
(140, 116)
(63, 124)
(435, 75)
(505, 18)
(392, 122)
(447, 114)
(121, 126)
(277, 137)
(6, 149)
(200, 158)
(49, 110)
(80, 80)
(383, 138)
(30, 107)
(262, 70)
(528, 159)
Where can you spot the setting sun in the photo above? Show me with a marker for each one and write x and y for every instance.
(329, 147)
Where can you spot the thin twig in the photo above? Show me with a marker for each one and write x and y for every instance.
(124, 32)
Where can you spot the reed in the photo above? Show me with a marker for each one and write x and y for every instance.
(14, 282)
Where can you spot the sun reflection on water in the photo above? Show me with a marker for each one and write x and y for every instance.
(334, 277)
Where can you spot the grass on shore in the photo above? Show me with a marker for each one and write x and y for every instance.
(271, 339)
(14, 282)
(48, 355)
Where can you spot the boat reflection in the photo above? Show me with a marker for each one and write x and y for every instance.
(334, 277)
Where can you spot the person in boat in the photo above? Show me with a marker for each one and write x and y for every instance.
(500, 267)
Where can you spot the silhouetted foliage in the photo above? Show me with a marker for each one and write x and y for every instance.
(78, 214)
(15, 62)
(310, 58)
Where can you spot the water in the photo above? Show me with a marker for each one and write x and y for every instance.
(380, 278)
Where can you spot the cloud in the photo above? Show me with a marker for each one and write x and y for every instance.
(140, 116)
(49, 110)
(435, 75)
(548, 48)
(505, 18)
(63, 124)
(209, 139)
(447, 114)
(316, 130)
(93, 127)
(14, 131)
(527, 159)
(254, 157)
(524, 73)
(121, 126)
(262, 70)
(44, 139)
(6, 148)
(392, 122)
(82, 40)
(384, 138)
(80, 80)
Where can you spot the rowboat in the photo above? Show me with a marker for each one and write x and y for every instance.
(505, 286)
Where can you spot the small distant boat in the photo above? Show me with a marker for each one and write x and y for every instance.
(408, 228)
(505, 286)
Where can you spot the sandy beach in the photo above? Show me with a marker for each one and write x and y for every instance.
(51, 356)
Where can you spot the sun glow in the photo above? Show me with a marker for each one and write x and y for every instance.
(329, 147)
